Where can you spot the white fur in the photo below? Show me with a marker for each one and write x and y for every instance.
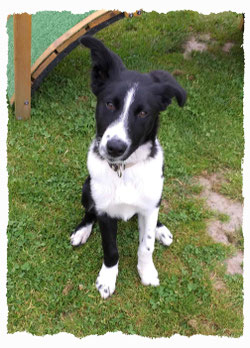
(118, 128)
(163, 235)
(105, 282)
(137, 191)
(147, 227)
(81, 235)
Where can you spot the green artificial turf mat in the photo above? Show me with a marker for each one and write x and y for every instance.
(47, 26)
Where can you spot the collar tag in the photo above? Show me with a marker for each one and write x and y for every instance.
(118, 168)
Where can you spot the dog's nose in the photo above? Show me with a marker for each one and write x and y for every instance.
(116, 147)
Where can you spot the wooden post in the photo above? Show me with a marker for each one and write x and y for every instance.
(22, 62)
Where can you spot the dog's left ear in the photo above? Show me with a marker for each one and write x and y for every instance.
(165, 87)
(105, 63)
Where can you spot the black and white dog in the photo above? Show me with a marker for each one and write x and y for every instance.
(125, 161)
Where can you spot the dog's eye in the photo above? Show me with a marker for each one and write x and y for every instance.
(110, 106)
(142, 114)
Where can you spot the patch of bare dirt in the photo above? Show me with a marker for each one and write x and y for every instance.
(202, 326)
(223, 232)
(234, 264)
(200, 43)
(217, 202)
(219, 285)
(193, 44)
(227, 47)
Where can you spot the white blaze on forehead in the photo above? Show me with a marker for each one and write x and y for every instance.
(119, 127)
(129, 98)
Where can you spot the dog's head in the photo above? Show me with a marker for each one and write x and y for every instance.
(128, 102)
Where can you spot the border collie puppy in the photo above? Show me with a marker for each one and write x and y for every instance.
(125, 161)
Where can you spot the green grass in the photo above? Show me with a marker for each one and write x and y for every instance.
(232, 187)
(51, 287)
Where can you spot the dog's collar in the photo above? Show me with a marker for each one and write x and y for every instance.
(120, 167)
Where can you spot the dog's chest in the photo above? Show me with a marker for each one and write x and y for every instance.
(138, 190)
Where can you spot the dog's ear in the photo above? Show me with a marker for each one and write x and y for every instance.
(166, 87)
(165, 92)
(105, 63)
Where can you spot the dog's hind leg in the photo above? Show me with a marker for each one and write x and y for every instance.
(83, 230)
(163, 235)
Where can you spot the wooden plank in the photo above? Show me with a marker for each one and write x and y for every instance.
(71, 36)
(104, 18)
(70, 40)
(42, 66)
(22, 63)
(65, 37)
(90, 25)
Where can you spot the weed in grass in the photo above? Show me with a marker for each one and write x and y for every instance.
(223, 217)
(232, 187)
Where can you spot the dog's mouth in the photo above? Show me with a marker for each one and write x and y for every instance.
(113, 159)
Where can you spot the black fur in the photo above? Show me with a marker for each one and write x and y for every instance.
(110, 81)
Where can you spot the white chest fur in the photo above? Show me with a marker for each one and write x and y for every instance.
(138, 190)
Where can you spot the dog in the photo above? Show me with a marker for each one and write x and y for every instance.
(125, 161)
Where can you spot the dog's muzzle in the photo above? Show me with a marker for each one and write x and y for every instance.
(116, 147)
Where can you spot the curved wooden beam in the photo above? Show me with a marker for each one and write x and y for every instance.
(64, 40)
(68, 41)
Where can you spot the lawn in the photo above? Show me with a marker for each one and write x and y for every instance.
(51, 286)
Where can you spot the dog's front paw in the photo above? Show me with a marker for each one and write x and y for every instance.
(105, 282)
(163, 235)
(148, 275)
(80, 236)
